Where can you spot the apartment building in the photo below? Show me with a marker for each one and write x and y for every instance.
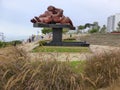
(112, 22)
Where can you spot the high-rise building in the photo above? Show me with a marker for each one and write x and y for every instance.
(112, 22)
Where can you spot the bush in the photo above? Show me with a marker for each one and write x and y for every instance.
(11, 43)
(42, 43)
(46, 30)
(70, 39)
(102, 70)
(15, 42)
(2, 44)
(93, 31)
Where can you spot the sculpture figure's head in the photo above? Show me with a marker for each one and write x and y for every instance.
(50, 8)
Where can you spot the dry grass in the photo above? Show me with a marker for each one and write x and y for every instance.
(101, 39)
(19, 73)
(9, 54)
(38, 76)
(22, 74)
(103, 70)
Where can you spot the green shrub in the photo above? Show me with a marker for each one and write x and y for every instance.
(10, 43)
(93, 31)
(46, 30)
(69, 39)
(42, 43)
(2, 44)
(15, 42)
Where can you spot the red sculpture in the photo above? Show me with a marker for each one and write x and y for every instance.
(52, 15)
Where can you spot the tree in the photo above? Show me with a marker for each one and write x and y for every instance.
(93, 30)
(118, 28)
(88, 25)
(103, 29)
(46, 30)
(81, 28)
(65, 30)
(96, 26)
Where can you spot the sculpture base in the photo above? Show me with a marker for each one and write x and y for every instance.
(84, 44)
(57, 35)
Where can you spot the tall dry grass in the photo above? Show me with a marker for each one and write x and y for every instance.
(20, 73)
(102, 70)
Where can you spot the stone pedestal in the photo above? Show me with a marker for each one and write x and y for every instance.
(57, 35)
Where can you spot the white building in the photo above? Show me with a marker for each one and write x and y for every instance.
(112, 22)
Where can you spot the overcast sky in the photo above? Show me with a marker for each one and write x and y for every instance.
(15, 15)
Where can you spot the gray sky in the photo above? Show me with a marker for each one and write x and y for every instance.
(15, 15)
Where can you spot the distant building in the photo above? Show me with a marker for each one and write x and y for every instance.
(2, 36)
(112, 22)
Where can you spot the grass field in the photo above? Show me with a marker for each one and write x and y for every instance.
(60, 49)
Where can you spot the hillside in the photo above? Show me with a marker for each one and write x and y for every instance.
(101, 39)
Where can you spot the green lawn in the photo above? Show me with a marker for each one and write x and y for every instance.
(77, 66)
(60, 49)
